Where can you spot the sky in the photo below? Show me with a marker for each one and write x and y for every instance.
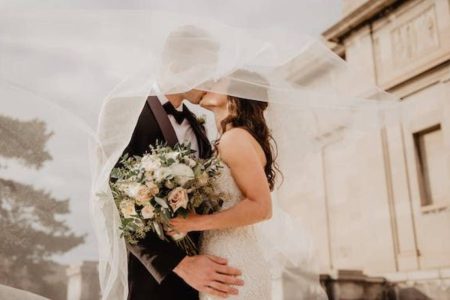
(67, 176)
(312, 16)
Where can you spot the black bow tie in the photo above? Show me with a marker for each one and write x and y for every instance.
(179, 115)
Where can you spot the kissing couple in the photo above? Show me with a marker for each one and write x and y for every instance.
(230, 263)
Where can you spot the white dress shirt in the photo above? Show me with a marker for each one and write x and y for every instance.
(183, 131)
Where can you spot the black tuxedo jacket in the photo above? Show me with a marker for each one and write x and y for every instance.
(151, 261)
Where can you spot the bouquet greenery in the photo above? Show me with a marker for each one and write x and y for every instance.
(167, 182)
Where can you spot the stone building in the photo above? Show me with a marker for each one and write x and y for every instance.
(405, 47)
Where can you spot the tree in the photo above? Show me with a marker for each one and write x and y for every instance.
(31, 226)
(24, 141)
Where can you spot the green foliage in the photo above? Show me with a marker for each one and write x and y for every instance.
(147, 183)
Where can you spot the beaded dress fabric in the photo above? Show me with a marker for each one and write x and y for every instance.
(239, 246)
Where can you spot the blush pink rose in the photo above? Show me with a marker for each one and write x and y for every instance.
(178, 198)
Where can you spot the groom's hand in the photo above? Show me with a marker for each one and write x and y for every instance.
(209, 274)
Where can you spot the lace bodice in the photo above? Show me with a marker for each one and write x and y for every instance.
(239, 246)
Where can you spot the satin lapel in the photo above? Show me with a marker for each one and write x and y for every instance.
(163, 121)
(204, 146)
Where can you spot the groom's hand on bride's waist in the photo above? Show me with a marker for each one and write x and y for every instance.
(209, 274)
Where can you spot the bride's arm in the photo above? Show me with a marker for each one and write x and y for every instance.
(238, 152)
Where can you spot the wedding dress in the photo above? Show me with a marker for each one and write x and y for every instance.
(239, 246)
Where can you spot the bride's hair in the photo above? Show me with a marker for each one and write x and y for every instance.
(249, 115)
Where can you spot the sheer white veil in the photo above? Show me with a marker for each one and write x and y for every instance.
(99, 66)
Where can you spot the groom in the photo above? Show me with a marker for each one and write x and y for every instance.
(159, 269)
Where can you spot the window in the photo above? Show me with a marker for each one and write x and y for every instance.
(432, 166)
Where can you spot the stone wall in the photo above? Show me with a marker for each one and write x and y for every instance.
(405, 50)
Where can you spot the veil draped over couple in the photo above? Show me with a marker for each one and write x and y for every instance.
(271, 99)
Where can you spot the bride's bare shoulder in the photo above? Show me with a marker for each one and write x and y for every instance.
(236, 142)
(235, 136)
(237, 132)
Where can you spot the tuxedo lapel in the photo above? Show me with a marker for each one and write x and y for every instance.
(204, 146)
(151, 261)
(163, 121)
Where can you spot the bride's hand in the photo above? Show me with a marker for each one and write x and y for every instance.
(183, 224)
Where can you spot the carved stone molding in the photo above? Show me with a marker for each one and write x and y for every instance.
(415, 38)
(411, 41)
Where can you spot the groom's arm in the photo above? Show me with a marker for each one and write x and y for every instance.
(159, 257)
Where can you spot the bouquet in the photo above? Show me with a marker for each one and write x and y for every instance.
(163, 184)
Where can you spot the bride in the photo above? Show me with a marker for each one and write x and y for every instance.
(249, 173)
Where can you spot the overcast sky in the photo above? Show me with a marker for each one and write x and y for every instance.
(311, 16)
(67, 176)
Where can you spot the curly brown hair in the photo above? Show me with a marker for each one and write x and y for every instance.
(249, 115)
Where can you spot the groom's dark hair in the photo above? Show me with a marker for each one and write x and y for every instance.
(189, 47)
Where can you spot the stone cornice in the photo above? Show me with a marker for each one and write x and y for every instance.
(356, 18)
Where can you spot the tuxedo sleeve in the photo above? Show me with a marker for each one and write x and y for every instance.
(158, 256)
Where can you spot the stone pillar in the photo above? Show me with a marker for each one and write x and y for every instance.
(83, 281)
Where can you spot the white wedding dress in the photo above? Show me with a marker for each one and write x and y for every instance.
(239, 246)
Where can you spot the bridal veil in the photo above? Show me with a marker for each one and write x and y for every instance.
(95, 68)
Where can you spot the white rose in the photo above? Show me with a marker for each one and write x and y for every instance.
(160, 174)
(178, 198)
(150, 163)
(148, 211)
(182, 173)
(127, 208)
(132, 189)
